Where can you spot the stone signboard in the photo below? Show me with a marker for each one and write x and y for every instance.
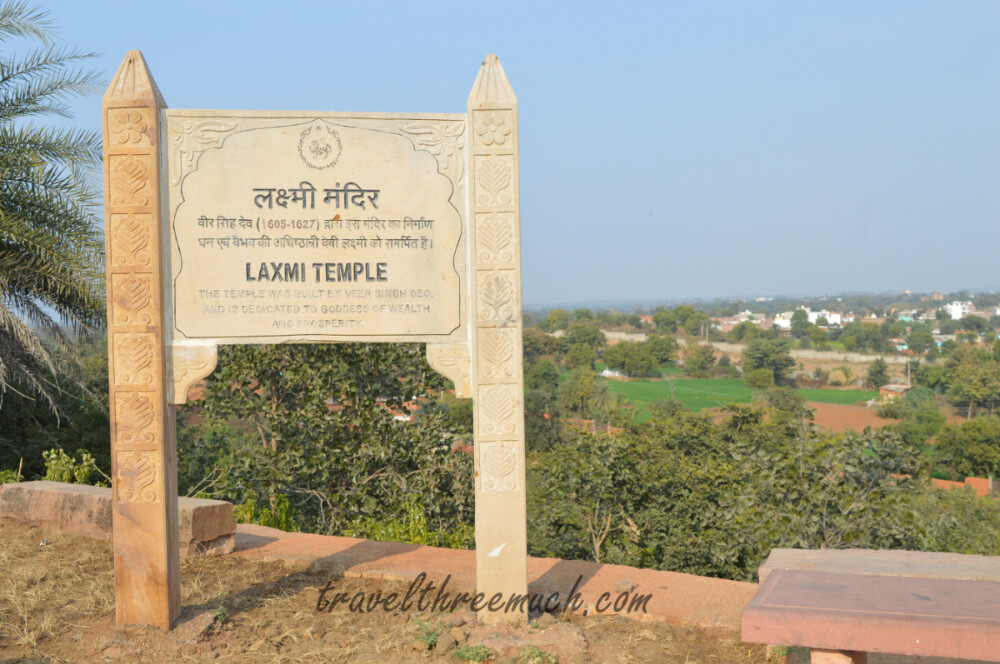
(266, 227)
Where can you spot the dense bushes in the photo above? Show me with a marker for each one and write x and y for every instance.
(315, 424)
(684, 494)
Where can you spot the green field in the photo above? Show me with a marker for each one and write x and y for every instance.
(842, 397)
(694, 393)
(698, 393)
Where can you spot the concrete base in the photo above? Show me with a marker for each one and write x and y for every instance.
(206, 526)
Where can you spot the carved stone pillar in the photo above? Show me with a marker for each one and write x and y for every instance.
(497, 373)
(143, 448)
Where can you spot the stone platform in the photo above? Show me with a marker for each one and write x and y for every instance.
(206, 526)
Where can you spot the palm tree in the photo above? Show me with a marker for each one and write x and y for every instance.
(51, 246)
(600, 401)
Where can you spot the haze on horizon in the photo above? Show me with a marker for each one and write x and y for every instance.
(668, 150)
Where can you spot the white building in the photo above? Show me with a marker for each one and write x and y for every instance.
(958, 310)
(832, 317)
(784, 319)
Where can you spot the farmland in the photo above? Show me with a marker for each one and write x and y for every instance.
(698, 393)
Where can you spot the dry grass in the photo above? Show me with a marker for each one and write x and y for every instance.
(57, 605)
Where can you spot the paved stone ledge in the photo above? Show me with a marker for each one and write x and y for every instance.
(675, 597)
(205, 526)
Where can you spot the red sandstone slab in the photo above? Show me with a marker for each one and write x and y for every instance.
(881, 614)
(926, 564)
(205, 526)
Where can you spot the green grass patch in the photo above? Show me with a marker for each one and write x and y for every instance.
(842, 397)
(694, 393)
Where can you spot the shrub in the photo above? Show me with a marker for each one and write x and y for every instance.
(760, 379)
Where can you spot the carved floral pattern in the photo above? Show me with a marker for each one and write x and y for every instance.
(497, 410)
(445, 141)
(496, 353)
(498, 466)
(130, 180)
(136, 477)
(494, 180)
(495, 237)
(130, 236)
(133, 296)
(493, 127)
(129, 125)
(134, 418)
(193, 138)
(133, 353)
(496, 299)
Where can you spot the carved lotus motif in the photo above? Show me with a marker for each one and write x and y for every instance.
(493, 128)
(128, 125)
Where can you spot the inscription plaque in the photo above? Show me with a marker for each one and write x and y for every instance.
(305, 227)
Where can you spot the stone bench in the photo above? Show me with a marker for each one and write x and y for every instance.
(205, 526)
(884, 563)
(846, 604)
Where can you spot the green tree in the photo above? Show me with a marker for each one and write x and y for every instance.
(543, 375)
(665, 321)
(682, 313)
(699, 360)
(920, 341)
(542, 428)
(663, 348)
(29, 427)
(578, 333)
(800, 323)
(817, 335)
(576, 390)
(639, 360)
(51, 248)
(580, 355)
(557, 319)
(976, 324)
(972, 447)
(770, 354)
(697, 323)
(878, 373)
(745, 331)
(537, 343)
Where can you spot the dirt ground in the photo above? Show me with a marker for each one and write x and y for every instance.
(57, 605)
(839, 418)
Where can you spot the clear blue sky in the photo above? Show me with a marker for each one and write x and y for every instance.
(668, 150)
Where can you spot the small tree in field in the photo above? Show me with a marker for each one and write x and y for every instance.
(878, 373)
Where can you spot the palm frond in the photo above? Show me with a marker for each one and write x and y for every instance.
(51, 245)
(19, 19)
